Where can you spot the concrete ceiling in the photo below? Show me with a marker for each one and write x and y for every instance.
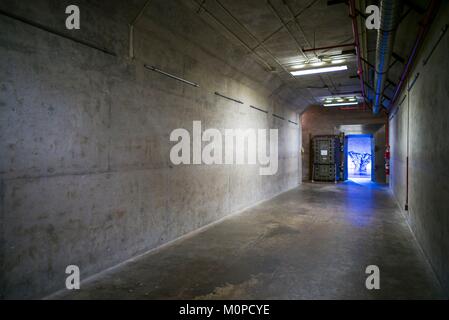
(278, 30)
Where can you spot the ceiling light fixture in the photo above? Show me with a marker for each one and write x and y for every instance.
(318, 70)
(318, 64)
(338, 61)
(298, 66)
(340, 104)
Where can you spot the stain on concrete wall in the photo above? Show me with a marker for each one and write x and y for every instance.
(419, 130)
(85, 171)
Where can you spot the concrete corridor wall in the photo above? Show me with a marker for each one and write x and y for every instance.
(419, 130)
(85, 172)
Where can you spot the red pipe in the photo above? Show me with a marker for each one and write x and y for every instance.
(387, 151)
(355, 31)
(330, 47)
(423, 29)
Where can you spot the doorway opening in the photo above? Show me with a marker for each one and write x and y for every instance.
(359, 157)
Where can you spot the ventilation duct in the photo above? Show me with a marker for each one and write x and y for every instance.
(390, 11)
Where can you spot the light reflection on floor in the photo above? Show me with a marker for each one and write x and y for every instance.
(360, 180)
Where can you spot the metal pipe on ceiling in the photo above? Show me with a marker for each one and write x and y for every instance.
(267, 66)
(299, 47)
(295, 16)
(301, 51)
(372, 89)
(355, 31)
(298, 26)
(330, 47)
(237, 21)
(390, 11)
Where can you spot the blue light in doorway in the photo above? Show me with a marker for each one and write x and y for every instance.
(359, 157)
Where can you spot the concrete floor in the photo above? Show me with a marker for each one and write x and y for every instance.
(313, 242)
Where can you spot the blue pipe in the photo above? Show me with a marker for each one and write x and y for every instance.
(389, 14)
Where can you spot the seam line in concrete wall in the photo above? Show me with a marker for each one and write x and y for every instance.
(56, 32)
(90, 173)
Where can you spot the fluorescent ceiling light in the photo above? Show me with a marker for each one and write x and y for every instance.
(317, 64)
(340, 104)
(318, 70)
(298, 66)
(338, 61)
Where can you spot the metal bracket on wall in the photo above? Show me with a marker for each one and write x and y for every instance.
(226, 97)
(442, 33)
(395, 110)
(152, 68)
(413, 82)
(56, 32)
(402, 100)
(256, 108)
(279, 117)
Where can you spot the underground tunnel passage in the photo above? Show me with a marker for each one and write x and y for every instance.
(224, 150)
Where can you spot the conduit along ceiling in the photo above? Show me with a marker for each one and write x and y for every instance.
(293, 38)
(280, 36)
